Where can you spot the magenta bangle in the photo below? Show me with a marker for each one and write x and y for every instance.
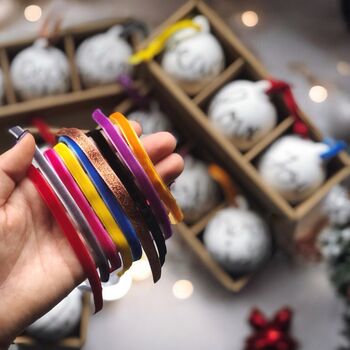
(102, 236)
(140, 176)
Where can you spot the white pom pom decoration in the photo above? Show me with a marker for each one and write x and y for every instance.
(195, 191)
(243, 112)
(336, 206)
(102, 58)
(332, 242)
(238, 240)
(40, 70)
(61, 321)
(193, 56)
(293, 167)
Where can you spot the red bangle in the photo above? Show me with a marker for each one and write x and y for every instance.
(78, 246)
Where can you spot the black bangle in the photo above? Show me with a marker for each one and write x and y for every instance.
(126, 177)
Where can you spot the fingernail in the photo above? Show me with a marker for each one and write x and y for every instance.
(23, 134)
(17, 132)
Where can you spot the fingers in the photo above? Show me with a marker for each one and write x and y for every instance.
(160, 148)
(159, 145)
(15, 162)
(137, 127)
(14, 165)
(170, 167)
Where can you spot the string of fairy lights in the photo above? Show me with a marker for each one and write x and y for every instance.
(183, 289)
(317, 93)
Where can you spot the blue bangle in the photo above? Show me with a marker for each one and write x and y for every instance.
(108, 197)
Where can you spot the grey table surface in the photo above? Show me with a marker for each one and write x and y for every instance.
(149, 317)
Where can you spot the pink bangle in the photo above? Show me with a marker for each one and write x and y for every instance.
(104, 240)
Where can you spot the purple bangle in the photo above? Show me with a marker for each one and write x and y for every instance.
(102, 236)
(131, 162)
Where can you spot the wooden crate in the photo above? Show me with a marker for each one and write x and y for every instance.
(242, 64)
(15, 111)
(192, 233)
(74, 341)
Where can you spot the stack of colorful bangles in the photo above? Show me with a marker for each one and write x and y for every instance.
(107, 197)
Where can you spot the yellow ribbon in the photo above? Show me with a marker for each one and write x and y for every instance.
(158, 43)
(101, 210)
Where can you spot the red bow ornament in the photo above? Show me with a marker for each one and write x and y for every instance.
(271, 334)
(279, 86)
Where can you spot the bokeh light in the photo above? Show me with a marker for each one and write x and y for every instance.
(183, 289)
(318, 93)
(116, 288)
(32, 13)
(250, 18)
(343, 68)
(140, 270)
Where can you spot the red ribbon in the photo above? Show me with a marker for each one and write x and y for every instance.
(279, 86)
(271, 334)
(44, 131)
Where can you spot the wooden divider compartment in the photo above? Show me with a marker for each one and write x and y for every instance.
(190, 10)
(241, 165)
(73, 341)
(192, 233)
(14, 110)
(10, 96)
(239, 70)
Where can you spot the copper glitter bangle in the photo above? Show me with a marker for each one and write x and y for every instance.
(119, 237)
(147, 217)
(141, 178)
(115, 192)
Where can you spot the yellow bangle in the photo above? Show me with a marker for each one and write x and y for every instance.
(96, 202)
(133, 141)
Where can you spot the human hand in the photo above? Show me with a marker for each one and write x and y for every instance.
(38, 267)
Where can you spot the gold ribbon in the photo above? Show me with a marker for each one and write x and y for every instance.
(158, 43)
(225, 182)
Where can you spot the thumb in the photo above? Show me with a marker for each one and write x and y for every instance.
(14, 165)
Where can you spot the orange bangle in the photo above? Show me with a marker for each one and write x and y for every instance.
(133, 141)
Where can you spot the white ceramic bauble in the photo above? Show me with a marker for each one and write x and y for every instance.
(238, 240)
(336, 206)
(152, 120)
(293, 167)
(102, 58)
(2, 88)
(40, 70)
(243, 112)
(60, 321)
(195, 191)
(194, 56)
